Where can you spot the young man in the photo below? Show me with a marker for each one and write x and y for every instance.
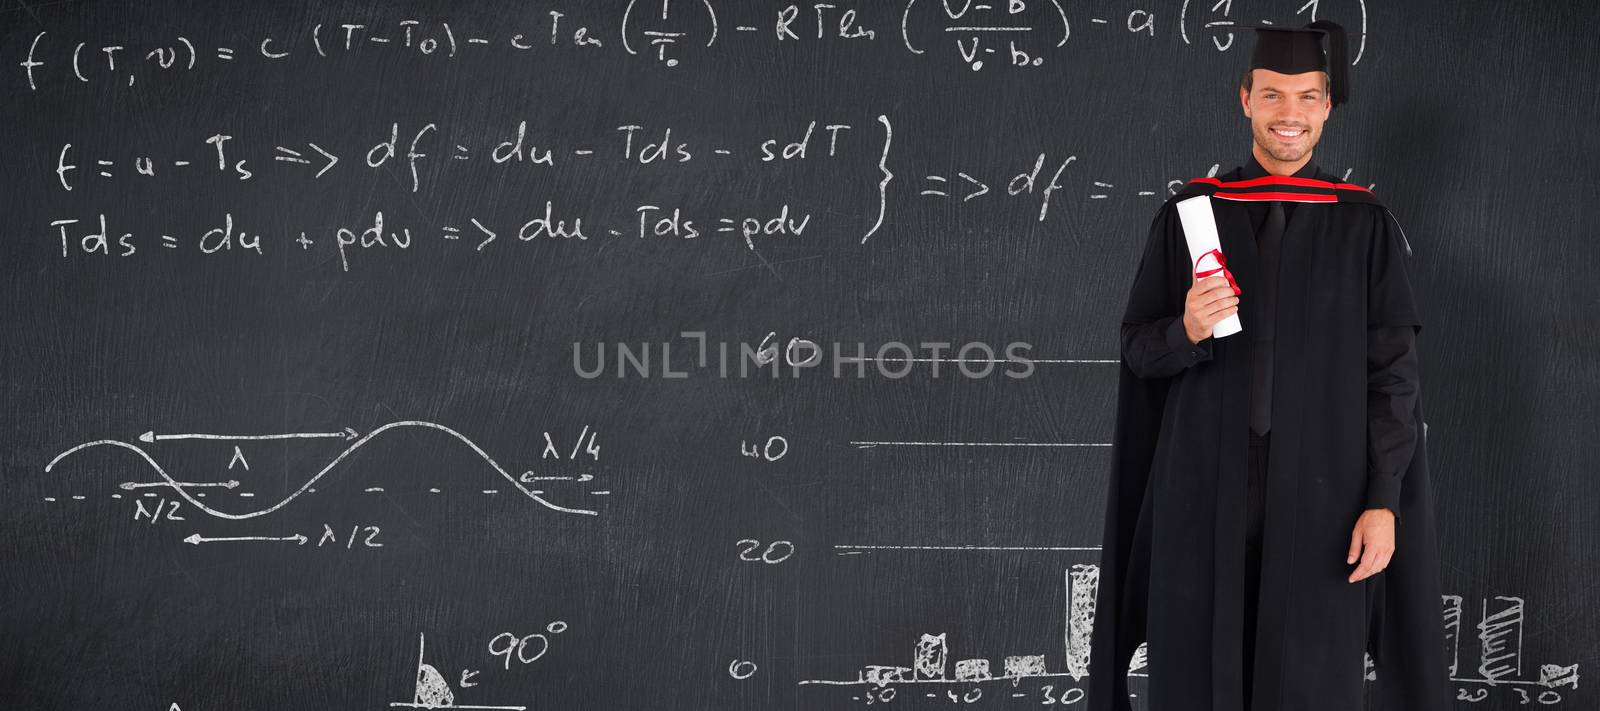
(1258, 537)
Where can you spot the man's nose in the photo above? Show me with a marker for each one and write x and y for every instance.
(1294, 114)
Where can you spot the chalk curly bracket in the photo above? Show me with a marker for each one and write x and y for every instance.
(357, 444)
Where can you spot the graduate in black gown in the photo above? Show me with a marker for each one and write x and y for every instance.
(1269, 525)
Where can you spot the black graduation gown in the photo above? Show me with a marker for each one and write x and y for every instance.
(1171, 571)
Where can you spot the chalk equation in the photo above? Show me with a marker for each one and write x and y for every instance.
(1018, 34)
(377, 234)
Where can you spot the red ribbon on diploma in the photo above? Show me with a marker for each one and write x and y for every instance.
(1222, 266)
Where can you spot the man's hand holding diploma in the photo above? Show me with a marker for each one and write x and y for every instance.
(1210, 300)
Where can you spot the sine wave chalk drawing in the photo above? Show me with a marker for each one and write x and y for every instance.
(180, 487)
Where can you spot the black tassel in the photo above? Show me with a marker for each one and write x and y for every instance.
(1338, 59)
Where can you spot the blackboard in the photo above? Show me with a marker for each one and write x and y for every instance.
(305, 304)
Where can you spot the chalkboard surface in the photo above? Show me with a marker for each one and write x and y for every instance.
(704, 354)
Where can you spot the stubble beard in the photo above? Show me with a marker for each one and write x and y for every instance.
(1287, 154)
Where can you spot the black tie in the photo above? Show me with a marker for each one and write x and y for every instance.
(1261, 384)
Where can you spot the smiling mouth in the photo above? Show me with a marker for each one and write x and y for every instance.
(1288, 134)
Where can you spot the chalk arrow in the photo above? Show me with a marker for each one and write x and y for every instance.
(131, 485)
(348, 433)
(332, 159)
(197, 539)
(293, 156)
(528, 476)
(981, 187)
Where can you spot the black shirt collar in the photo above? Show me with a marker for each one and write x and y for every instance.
(1253, 169)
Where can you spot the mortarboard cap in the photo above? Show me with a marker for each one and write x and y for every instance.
(1289, 50)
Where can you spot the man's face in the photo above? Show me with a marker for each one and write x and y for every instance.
(1286, 112)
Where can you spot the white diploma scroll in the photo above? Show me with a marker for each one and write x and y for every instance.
(1205, 246)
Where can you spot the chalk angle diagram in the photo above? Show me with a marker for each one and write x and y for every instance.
(434, 692)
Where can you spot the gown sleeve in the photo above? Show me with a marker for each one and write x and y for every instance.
(1393, 382)
(1389, 298)
(1391, 398)
(1154, 344)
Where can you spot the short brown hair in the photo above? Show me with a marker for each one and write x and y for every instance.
(1249, 76)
